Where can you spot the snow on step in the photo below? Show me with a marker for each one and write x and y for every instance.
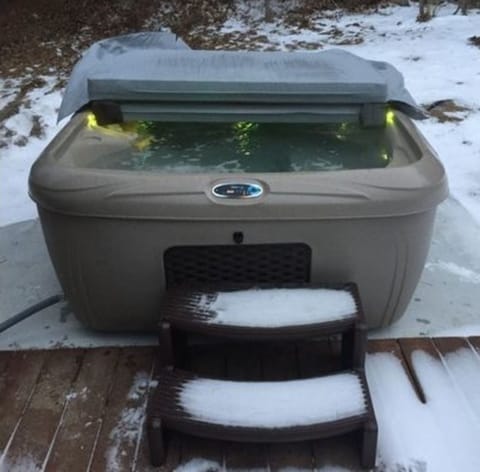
(274, 404)
(270, 308)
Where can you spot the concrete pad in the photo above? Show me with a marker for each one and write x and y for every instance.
(447, 299)
(26, 277)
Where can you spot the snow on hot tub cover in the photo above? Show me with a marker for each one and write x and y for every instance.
(159, 67)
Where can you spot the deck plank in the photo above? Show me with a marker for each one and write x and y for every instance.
(403, 349)
(321, 358)
(206, 361)
(446, 345)
(31, 443)
(19, 377)
(280, 363)
(142, 461)
(474, 341)
(408, 347)
(120, 434)
(384, 345)
(82, 421)
(4, 359)
(243, 362)
(49, 430)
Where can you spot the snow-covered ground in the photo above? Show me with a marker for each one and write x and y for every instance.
(440, 435)
(21, 149)
(438, 63)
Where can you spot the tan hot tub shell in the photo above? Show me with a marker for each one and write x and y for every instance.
(107, 230)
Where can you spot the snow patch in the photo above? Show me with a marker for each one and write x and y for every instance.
(199, 465)
(9, 89)
(71, 396)
(464, 365)
(140, 385)
(82, 394)
(124, 434)
(280, 307)
(264, 404)
(22, 150)
(440, 435)
(20, 464)
(464, 273)
(464, 331)
(128, 429)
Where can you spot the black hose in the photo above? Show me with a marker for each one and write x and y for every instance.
(29, 312)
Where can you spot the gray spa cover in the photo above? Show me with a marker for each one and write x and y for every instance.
(160, 68)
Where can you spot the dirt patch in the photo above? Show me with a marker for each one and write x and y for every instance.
(475, 40)
(21, 141)
(301, 16)
(37, 130)
(13, 107)
(46, 37)
(348, 41)
(447, 111)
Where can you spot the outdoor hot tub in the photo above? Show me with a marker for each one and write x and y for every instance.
(183, 167)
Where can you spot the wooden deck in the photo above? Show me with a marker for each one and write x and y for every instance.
(78, 410)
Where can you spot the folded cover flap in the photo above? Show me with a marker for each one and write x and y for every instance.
(159, 68)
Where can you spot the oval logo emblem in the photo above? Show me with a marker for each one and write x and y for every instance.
(238, 190)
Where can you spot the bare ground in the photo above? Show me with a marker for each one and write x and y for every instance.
(47, 36)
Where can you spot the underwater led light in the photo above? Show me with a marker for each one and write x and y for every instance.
(91, 121)
(129, 131)
(390, 117)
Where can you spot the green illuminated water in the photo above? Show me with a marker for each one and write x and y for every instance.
(188, 148)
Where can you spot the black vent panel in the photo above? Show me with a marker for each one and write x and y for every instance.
(254, 263)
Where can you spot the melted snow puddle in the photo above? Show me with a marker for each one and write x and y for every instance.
(264, 404)
(279, 307)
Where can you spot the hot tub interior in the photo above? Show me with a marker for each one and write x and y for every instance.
(175, 147)
(250, 147)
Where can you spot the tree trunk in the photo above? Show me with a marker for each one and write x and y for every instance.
(268, 11)
(424, 12)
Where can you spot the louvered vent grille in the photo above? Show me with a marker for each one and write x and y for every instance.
(255, 263)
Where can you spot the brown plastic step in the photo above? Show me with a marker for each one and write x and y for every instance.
(286, 411)
(265, 312)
